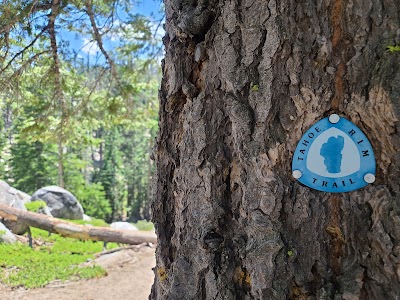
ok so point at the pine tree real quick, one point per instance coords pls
(107, 175)
(33, 165)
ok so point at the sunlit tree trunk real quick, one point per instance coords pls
(242, 81)
(58, 92)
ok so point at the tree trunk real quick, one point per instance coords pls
(242, 81)
(58, 90)
(60, 150)
(72, 230)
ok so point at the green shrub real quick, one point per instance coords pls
(37, 267)
(90, 195)
(94, 222)
(59, 258)
(144, 225)
(93, 199)
(35, 206)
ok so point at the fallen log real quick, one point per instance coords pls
(68, 229)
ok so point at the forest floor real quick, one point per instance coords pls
(129, 276)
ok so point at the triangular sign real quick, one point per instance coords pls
(334, 156)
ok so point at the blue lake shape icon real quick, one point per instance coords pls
(332, 153)
(334, 157)
(349, 154)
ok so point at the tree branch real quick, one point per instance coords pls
(98, 38)
(29, 61)
(23, 50)
(6, 44)
(54, 50)
(39, 7)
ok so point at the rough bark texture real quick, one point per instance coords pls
(243, 80)
(72, 230)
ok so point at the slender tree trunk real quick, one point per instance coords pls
(58, 93)
(133, 217)
(60, 163)
(8, 119)
(242, 81)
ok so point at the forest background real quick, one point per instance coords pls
(78, 100)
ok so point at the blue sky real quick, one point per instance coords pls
(89, 50)
(149, 7)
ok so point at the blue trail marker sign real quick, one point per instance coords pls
(334, 156)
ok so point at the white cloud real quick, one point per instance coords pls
(90, 47)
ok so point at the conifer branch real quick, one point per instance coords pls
(44, 29)
(99, 40)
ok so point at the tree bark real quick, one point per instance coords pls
(58, 91)
(242, 81)
(68, 229)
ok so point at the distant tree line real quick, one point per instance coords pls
(83, 121)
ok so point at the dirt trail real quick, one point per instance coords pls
(130, 277)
